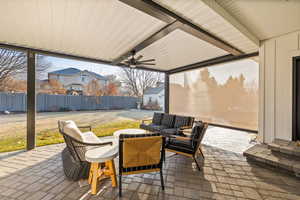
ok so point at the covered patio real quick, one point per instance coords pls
(181, 36)
(226, 174)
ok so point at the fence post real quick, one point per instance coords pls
(31, 100)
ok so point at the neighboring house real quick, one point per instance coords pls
(155, 94)
(73, 79)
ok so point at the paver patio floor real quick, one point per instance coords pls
(38, 174)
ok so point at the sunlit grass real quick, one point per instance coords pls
(52, 136)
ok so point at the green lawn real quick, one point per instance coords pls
(47, 137)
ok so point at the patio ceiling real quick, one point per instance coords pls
(176, 33)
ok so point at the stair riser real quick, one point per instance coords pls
(285, 147)
(274, 159)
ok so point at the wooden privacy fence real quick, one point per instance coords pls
(16, 102)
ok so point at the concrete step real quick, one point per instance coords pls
(262, 154)
(285, 147)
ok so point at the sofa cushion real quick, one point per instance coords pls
(157, 117)
(156, 128)
(169, 131)
(70, 128)
(152, 127)
(180, 145)
(168, 120)
(182, 121)
(145, 126)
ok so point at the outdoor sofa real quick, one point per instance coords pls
(167, 124)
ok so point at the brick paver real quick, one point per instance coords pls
(38, 174)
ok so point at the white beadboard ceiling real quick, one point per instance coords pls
(200, 14)
(106, 29)
(178, 49)
(265, 18)
(102, 29)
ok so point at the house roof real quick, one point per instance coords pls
(72, 71)
(66, 71)
(155, 90)
(97, 75)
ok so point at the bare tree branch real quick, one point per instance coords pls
(137, 81)
(13, 63)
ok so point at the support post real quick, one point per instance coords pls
(167, 94)
(31, 100)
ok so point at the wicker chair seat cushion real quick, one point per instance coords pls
(90, 137)
(70, 128)
(157, 117)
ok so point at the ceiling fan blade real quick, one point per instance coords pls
(150, 60)
(141, 66)
(139, 57)
(146, 63)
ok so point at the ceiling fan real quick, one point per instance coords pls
(137, 62)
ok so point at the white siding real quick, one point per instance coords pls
(68, 80)
(276, 86)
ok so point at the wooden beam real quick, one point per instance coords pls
(232, 20)
(210, 62)
(150, 40)
(150, 10)
(31, 100)
(161, 13)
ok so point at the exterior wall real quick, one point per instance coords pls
(275, 118)
(69, 80)
(160, 97)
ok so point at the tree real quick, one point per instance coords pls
(13, 85)
(93, 88)
(13, 63)
(52, 87)
(111, 89)
(137, 81)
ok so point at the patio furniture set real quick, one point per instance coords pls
(139, 150)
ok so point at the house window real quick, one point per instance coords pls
(83, 77)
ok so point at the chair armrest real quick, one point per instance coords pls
(93, 144)
(98, 144)
(186, 138)
(185, 127)
(88, 126)
(182, 138)
(145, 120)
(189, 132)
